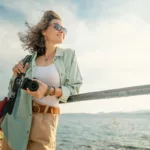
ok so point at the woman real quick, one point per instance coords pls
(33, 122)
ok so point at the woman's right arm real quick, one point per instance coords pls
(18, 68)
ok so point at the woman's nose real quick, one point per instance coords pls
(61, 31)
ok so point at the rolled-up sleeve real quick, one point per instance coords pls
(73, 80)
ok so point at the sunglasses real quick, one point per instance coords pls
(58, 27)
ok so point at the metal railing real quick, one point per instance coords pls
(112, 93)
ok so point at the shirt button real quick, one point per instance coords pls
(30, 114)
(27, 132)
(61, 74)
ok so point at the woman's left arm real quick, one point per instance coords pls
(73, 80)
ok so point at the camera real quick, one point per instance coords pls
(28, 83)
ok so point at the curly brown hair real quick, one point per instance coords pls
(34, 41)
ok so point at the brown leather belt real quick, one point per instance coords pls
(36, 108)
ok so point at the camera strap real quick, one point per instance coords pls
(16, 86)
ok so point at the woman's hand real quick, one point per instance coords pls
(18, 68)
(40, 92)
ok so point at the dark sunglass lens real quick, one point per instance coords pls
(57, 26)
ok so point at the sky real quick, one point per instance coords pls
(110, 37)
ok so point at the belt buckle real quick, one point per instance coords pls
(52, 110)
(38, 108)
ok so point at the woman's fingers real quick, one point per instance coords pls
(16, 69)
(19, 67)
(20, 62)
(26, 67)
(35, 93)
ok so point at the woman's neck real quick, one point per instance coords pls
(50, 49)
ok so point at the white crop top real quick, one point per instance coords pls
(50, 76)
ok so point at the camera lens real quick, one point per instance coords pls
(34, 86)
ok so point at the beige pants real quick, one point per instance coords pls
(43, 132)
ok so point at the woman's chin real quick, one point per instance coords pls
(59, 42)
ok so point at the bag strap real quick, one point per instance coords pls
(27, 59)
(17, 82)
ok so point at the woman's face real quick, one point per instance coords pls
(53, 34)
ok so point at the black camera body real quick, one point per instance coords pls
(28, 83)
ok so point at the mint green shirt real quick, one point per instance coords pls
(16, 127)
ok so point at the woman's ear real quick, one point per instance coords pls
(43, 32)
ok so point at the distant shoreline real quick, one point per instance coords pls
(141, 112)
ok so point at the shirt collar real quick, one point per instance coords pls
(59, 51)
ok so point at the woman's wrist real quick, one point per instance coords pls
(47, 90)
(50, 91)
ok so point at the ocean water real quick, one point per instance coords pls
(114, 131)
